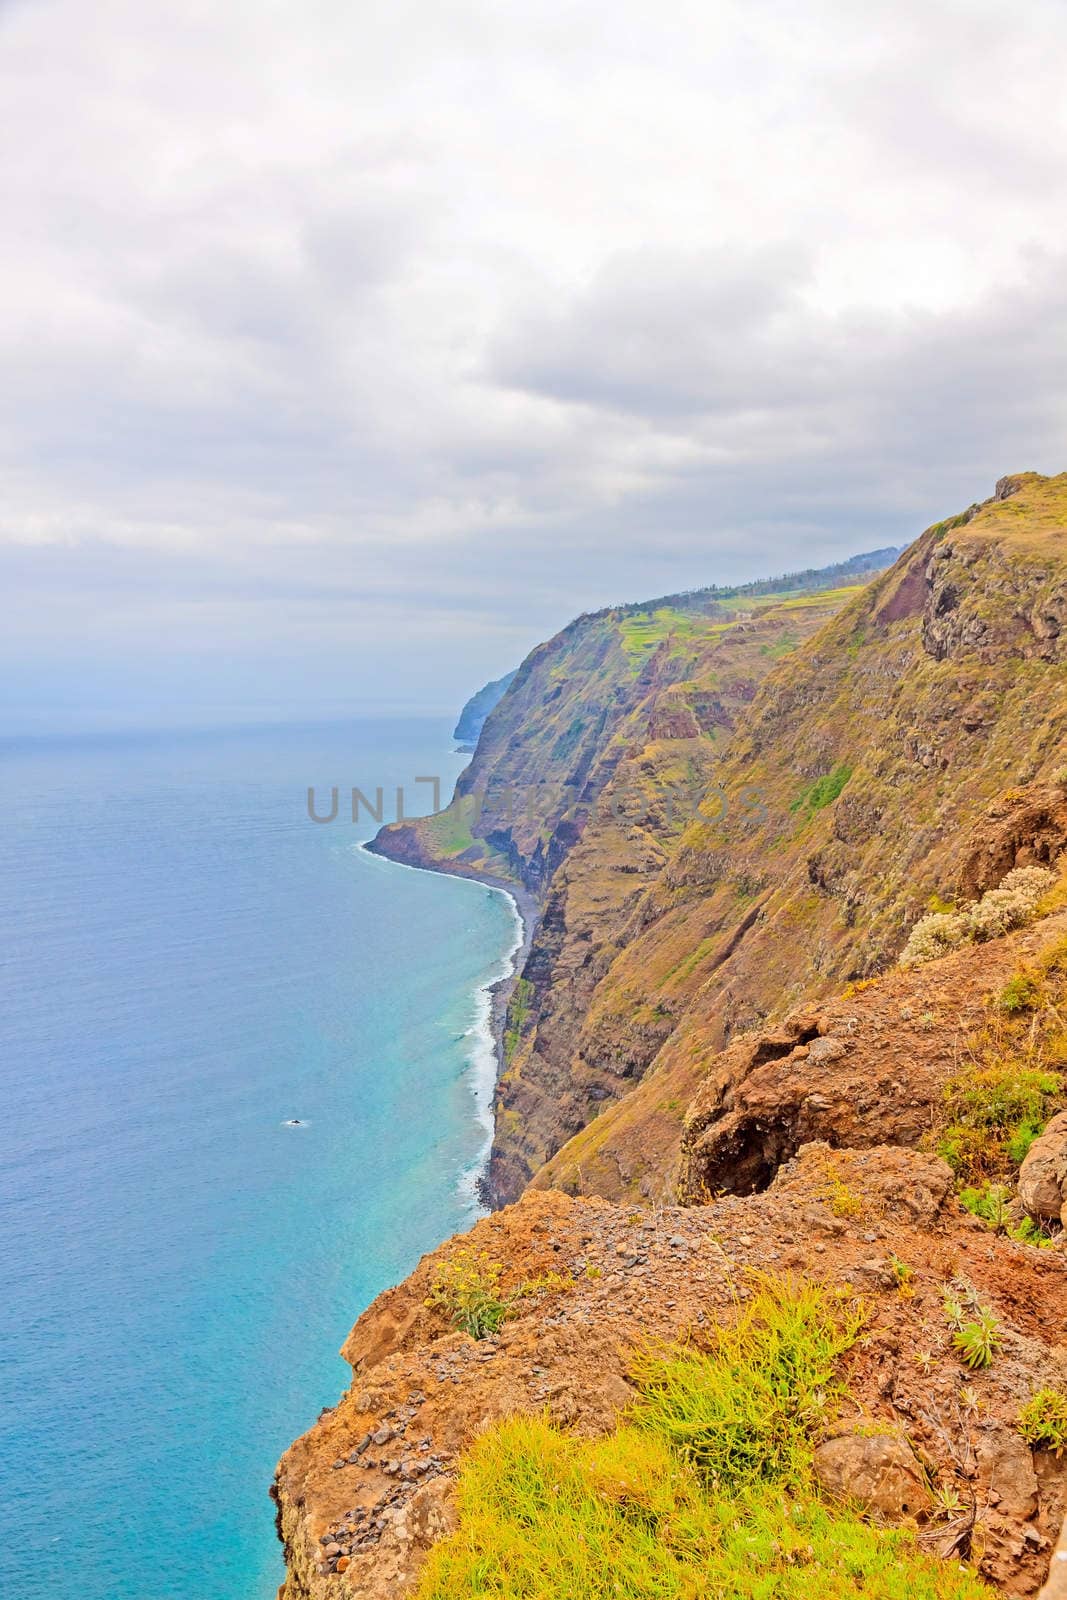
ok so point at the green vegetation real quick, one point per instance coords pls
(1020, 993)
(978, 1341)
(448, 832)
(823, 791)
(467, 1287)
(643, 631)
(707, 1489)
(977, 1331)
(745, 1413)
(1010, 1084)
(518, 1013)
(781, 647)
(1012, 904)
(992, 1202)
(998, 1107)
(902, 1276)
(997, 1110)
(1043, 1421)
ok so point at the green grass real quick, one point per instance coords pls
(448, 831)
(518, 1011)
(645, 630)
(823, 791)
(705, 1491)
(745, 1412)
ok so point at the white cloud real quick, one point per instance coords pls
(448, 320)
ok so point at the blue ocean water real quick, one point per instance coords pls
(187, 962)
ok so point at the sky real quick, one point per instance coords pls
(348, 350)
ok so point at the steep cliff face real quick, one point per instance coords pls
(584, 778)
(891, 754)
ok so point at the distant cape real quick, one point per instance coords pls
(478, 707)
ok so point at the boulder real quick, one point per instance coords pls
(877, 1471)
(1043, 1175)
(1006, 1468)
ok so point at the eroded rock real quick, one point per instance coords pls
(878, 1471)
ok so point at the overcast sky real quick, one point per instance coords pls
(350, 349)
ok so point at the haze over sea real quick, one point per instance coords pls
(187, 962)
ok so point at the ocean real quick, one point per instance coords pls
(188, 964)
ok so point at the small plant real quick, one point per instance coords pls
(1027, 1231)
(990, 1203)
(843, 1202)
(948, 1502)
(467, 1287)
(1043, 1421)
(1021, 992)
(978, 1341)
(902, 1276)
(1059, 777)
(977, 1331)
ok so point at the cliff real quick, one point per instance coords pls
(583, 780)
(472, 718)
(794, 1006)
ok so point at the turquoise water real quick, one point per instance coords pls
(186, 962)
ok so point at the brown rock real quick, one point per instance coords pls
(877, 1470)
(1006, 1467)
(1043, 1175)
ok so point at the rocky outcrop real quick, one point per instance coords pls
(365, 1491)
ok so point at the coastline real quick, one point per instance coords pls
(496, 992)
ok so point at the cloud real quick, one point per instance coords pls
(334, 331)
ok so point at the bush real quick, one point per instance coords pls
(1043, 1421)
(1011, 905)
